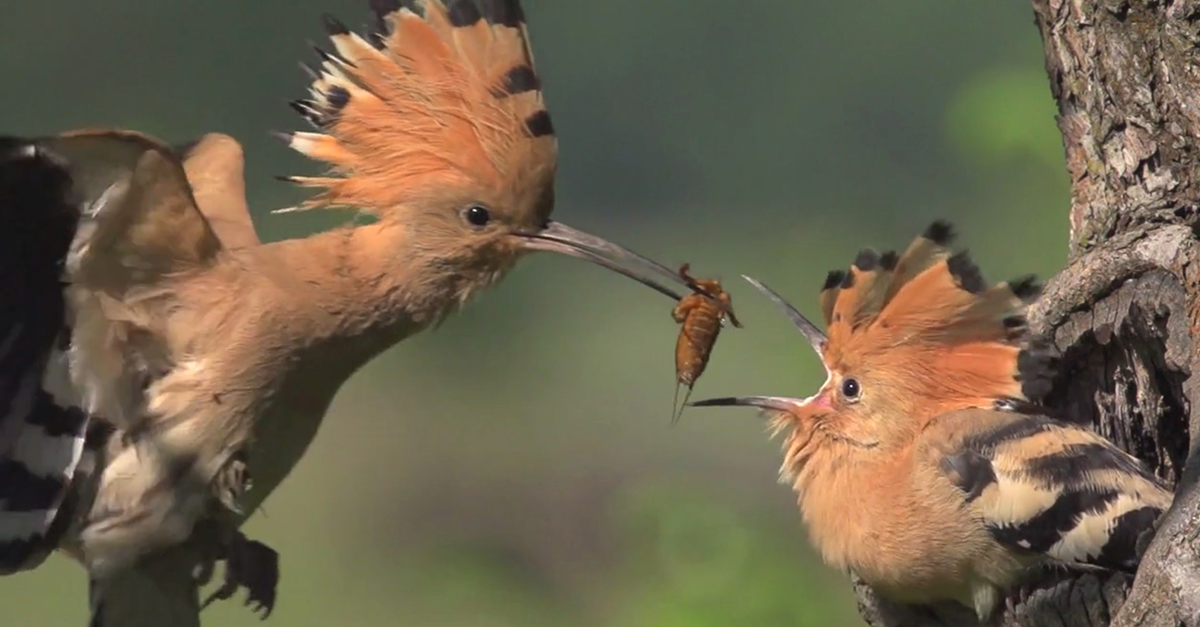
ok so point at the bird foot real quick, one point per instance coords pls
(251, 565)
(232, 483)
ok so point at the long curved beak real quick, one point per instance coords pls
(774, 403)
(557, 237)
(809, 330)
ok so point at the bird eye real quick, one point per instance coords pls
(850, 389)
(478, 215)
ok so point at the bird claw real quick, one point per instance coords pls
(254, 566)
(233, 483)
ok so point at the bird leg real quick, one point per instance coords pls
(251, 565)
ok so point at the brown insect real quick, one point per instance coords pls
(702, 314)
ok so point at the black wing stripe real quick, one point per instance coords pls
(40, 441)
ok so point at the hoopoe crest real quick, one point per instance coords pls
(436, 122)
(921, 334)
(913, 336)
(438, 101)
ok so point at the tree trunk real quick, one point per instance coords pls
(1125, 313)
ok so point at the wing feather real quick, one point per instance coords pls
(96, 220)
(215, 167)
(1055, 489)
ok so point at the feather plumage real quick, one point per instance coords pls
(440, 96)
(215, 168)
(41, 436)
(107, 219)
(1054, 489)
(923, 463)
(119, 223)
(930, 313)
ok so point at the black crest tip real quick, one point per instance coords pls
(1026, 287)
(463, 13)
(330, 57)
(303, 107)
(940, 232)
(518, 80)
(966, 273)
(888, 260)
(1037, 365)
(334, 26)
(308, 110)
(866, 260)
(833, 279)
(337, 98)
(377, 39)
(539, 124)
(1014, 322)
(847, 280)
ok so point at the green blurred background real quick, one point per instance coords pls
(517, 467)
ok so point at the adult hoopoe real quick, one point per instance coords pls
(203, 363)
(921, 464)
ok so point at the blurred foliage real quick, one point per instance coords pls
(516, 467)
(1004, 114)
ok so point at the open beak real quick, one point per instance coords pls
(809, 330)
(773, 403)
(557, 237)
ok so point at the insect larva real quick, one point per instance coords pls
(702, 314)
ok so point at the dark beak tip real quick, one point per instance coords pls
(714, 402)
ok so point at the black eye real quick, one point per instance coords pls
(850, 388)
(478, 216)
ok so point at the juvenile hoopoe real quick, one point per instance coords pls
(922, 464)
(133, 336)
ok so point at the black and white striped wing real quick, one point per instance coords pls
(41, 436)
(81, 214)
(1058, 490)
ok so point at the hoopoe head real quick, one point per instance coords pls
(435, 123)
(910, 336)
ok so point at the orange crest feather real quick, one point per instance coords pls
(441, 96)
(928, 318)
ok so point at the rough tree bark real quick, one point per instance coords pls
(1125, 313)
